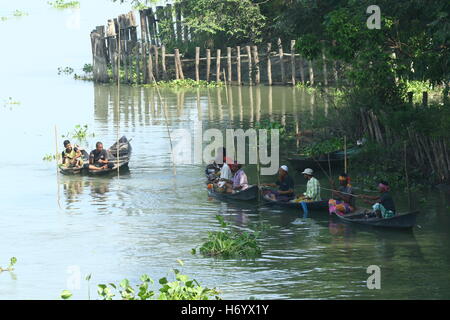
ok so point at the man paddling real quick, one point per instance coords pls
(383, 205)
(285, 186)
(98, 158)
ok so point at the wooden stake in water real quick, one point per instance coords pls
(57, 168)
(118, 108)
(345, 154)
(168, 130)
(406, 177)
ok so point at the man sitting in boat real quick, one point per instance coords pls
(226, 176)
(312, 188)
(71, 157)
(342, 201)
(285, 185)
(213, 169)
(383, 205)
(239, 181)
(98, 158)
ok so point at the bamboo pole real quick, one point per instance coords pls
(208, 63)
(118, 110)
(218, 65)
(150, 65)
(177, 72)
(280, 55)
(249, 56)
(229, 64)
(345, 155)
(302, 70)
(163, 62)
(406, 176)
(180, 66)
(57, 168)
(197, 62)
(168, 131)
(138, 62)
(238, 64)
(293, 62)
(157, 73)
(269, 64)
(125, 62)
(311, 72)
(324, 61)
(256, 60)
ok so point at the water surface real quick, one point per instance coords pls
(141, 222)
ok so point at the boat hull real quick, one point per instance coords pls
(119, 164)
(313, 205)
(249, 194)
(400, 221)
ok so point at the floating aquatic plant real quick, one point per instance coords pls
(181, 288)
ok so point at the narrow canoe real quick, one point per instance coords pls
(400, 221)
(251, 193)
(302, 163)
(120, 163)
(313, 205)
(336, 159)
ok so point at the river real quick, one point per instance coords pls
(62, 228)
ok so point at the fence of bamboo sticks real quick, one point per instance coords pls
(145, 59)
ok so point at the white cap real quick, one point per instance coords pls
(308, 171)
(285, 168)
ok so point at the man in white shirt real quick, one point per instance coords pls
(225, 175)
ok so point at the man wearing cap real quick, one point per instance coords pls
(285, 186)
(312, 187)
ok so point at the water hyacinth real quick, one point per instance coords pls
(228, 243)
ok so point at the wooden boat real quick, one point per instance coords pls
(399, 221)
(251, 193)
(301, 163)
(313, 205)
(119, 163)
(336, 160)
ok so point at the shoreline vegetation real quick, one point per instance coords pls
(63, 4)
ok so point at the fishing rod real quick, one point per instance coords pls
(57, 167)
(350, 194)
(167, 125)
(118, 107)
